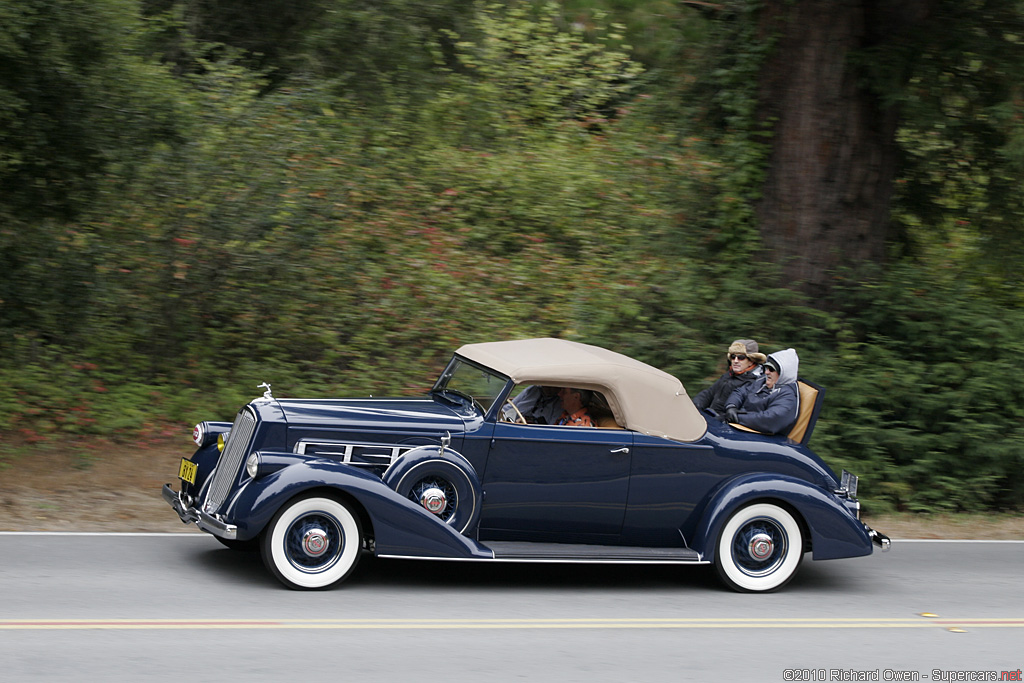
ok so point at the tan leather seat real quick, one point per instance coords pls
(808, 401)
(606, 422)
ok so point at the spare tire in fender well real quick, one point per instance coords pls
(441, 480)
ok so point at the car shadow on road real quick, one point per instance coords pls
(376, 573)
(245, 566)
(237, 566)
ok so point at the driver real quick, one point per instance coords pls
(538, 404)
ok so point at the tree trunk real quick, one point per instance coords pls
(828, 188)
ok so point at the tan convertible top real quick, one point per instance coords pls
(642, 398)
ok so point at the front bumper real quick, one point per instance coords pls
(205, 521)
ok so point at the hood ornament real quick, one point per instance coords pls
(266, 394)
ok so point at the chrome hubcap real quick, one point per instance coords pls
(433, 500)
(314, 542)
(761, 547)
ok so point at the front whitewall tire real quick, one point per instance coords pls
(312, 543)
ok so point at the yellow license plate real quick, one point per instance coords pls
(187, 471)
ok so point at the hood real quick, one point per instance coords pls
(372, 414)
(789, 365)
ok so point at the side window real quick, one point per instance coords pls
(534, 404)
(551, 405)
(601, 412)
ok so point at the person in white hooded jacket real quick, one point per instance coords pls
(771, 404)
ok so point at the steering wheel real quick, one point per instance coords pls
(519, 420)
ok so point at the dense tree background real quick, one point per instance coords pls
(197, 196)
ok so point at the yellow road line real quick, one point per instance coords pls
(453, 624)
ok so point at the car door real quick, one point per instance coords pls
(556, 483)
(669, 481)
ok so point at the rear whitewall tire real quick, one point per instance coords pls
(312, 543)
(759, 549)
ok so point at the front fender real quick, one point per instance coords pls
(833, 530)
(400, 527)
(205, 459)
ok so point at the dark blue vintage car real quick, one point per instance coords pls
(462, 474)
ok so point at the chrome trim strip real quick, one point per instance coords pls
(347, 448)
(545, 561)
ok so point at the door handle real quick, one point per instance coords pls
(621, 450)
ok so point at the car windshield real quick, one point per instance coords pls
(471, 384)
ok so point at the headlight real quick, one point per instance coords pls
(206, 433)
(201, 434)
(221, 440)
(252, 465)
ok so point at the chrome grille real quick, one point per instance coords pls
(231, 459)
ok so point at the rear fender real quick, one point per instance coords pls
(834, 532)
(400, 527)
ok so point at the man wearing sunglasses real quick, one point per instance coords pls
(745, 362)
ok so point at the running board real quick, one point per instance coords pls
(508, 551)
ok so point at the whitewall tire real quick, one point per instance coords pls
(312, 543)
(759, 548)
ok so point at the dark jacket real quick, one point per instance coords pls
(716, 396)
(771, 412)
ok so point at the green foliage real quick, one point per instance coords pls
(378, 50)
(712, 100)
(268, 33)
(293, 229)
(525, 77)
(54, 395)
(926, 401)
(649, 28)
(957, 84)
(76, 98)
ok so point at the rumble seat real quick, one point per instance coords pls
(811, 396)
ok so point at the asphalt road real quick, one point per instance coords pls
(182, 608)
